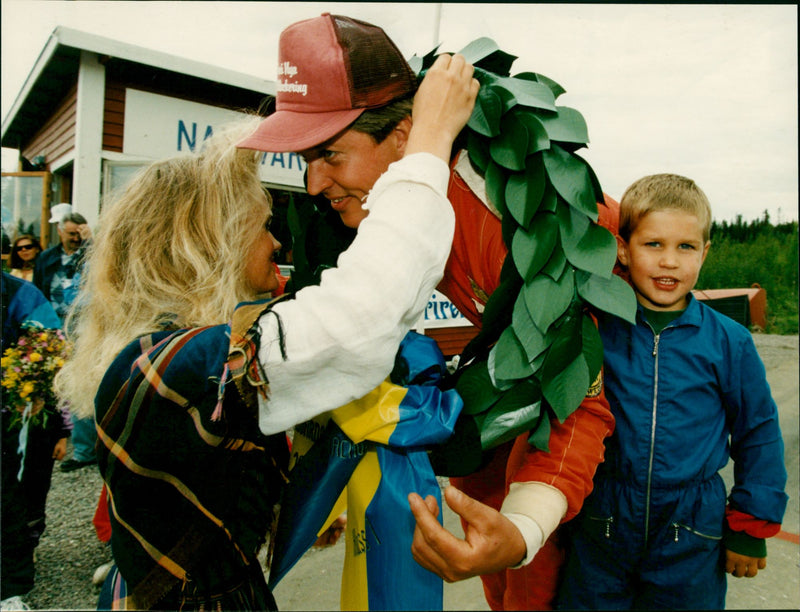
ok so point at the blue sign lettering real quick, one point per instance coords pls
(441, 309)
(190, 141)
(284, 160)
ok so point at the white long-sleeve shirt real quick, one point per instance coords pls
(341, 336)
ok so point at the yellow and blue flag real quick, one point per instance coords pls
(376, 449)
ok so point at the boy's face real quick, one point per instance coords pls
(345, 168)
(664, 256)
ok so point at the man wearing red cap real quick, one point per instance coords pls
(344, 102)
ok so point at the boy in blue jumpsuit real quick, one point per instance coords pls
(688, 392)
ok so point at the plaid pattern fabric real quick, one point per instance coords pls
(192, 483)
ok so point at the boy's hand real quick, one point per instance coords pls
(742, 565)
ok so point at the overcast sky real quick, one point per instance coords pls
(706, 91)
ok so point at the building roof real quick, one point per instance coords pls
(56, 69)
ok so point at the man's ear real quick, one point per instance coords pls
(401, 132)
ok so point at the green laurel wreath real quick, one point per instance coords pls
(545, 349)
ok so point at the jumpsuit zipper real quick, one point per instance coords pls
(656, 339)
(679, 526)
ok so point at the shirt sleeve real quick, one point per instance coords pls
(549, 488)
(340, 337)
(757, 447)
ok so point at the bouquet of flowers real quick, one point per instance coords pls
(28, 371)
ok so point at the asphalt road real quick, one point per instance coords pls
(314, 583)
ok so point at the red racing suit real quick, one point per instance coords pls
(471, 275)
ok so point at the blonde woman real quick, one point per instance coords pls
(190, 415)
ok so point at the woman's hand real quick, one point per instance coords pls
(442, 106)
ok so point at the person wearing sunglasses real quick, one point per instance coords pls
(24, 251)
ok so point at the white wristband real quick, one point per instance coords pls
(531, 533)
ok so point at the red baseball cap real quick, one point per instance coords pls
(330, 70)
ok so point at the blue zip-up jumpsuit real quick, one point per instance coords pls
(685, 401)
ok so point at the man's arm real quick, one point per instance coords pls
(546, 489)
(340, 337)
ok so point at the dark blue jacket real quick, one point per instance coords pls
(687, 400)
(22, 302)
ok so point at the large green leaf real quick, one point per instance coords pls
(566, 389)
(592, 346)
(568, 125)
(611, 294)
(588, 246)
(518, 410)
(533, 76)
(529, 93)
(537, 135)
(540, 436)
(485, 54)
(549, 199)
(524, 191)
(547, 299)
(510, 361)
(599, 196)
(554, 267)
(510, 147)
(496, 187)
(560, 373)
(569, 176)
(532, 249)
(478, 149)
(497, 313)
(476, 388)
(419, 64)
(533, 341)
(485, 118)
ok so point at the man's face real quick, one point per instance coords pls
(345, 168)
(70, 236)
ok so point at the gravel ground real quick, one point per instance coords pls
(69, 550)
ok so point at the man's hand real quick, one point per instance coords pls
(492, 541)
(442, 106)
(60, 449)
(742, 565)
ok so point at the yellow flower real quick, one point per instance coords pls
(5, 362)
(27, 389)
(34, 357)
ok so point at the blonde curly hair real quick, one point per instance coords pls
(170, 252)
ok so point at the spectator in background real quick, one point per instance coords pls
(24, 251)
(22, 303)
(57, 270)
(57, 274)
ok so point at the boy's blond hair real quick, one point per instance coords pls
(663, 192)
